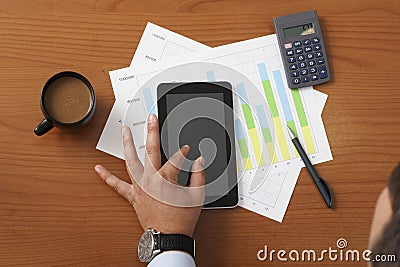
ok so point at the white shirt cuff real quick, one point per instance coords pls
(172, 259)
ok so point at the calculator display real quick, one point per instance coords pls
(304, 29)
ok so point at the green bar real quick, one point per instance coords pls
(270, 98)
(248, 116)
(267, 135)
(292, 127)
(243, 148)
(299, 107)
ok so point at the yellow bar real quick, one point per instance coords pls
(255, 142)
(281, 139)
(308, 139)
(247, 164)
(273, 157)
(295, 151)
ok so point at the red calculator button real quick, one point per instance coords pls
(288, 46)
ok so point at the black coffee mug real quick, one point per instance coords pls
(67, 101)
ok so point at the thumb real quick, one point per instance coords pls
(198, 177)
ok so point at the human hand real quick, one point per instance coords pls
(154, 187)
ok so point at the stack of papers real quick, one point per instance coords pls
(278, 166)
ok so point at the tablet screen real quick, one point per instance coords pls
(200, 114)
(203, 129)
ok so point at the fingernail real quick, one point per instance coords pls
(151, 118)
(97, 168)
(202, 161)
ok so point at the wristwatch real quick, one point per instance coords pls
(153, 243)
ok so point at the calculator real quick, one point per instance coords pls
(302, 49)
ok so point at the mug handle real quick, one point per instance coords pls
(43, 127)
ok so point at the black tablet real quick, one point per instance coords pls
(200, 114)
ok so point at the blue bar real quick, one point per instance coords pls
(239, 130)
(262, 118)
(210, 76)
(263, 71)
(148, 99)
(242, 93)
(282, 95)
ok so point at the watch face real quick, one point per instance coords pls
(145, 248)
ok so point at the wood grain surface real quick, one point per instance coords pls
(55, 211)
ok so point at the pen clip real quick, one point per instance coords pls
(328, 189)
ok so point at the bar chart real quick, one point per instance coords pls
(257, 144)
(243, 148)
(290, 112)
(266, 84)
(251, 127)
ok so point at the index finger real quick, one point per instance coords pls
(172, 167)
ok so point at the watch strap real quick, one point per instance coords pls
(177, 242)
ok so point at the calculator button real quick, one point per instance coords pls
(305, 79)
(307, 49)
(314, 77)
(312, 70)
(311, 63)
(302, 65)
(293, 66)
(318, 54)
(310, 56)
(296, 81)
(323, 73)
(317, 47)
(320, 61)
(288, 45)
(291, 59)
(303, 72)
(289, 53)
(300, 58)
(297, 44)
(294, 74)
(315, 40)
(299, 50)
(306, 42)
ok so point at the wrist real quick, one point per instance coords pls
(152, 243)
(174, 231)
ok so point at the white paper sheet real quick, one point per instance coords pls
(126, 81)
(157, 44)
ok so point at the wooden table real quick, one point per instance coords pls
(55, 211)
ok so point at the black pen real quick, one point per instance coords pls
(322, 186)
